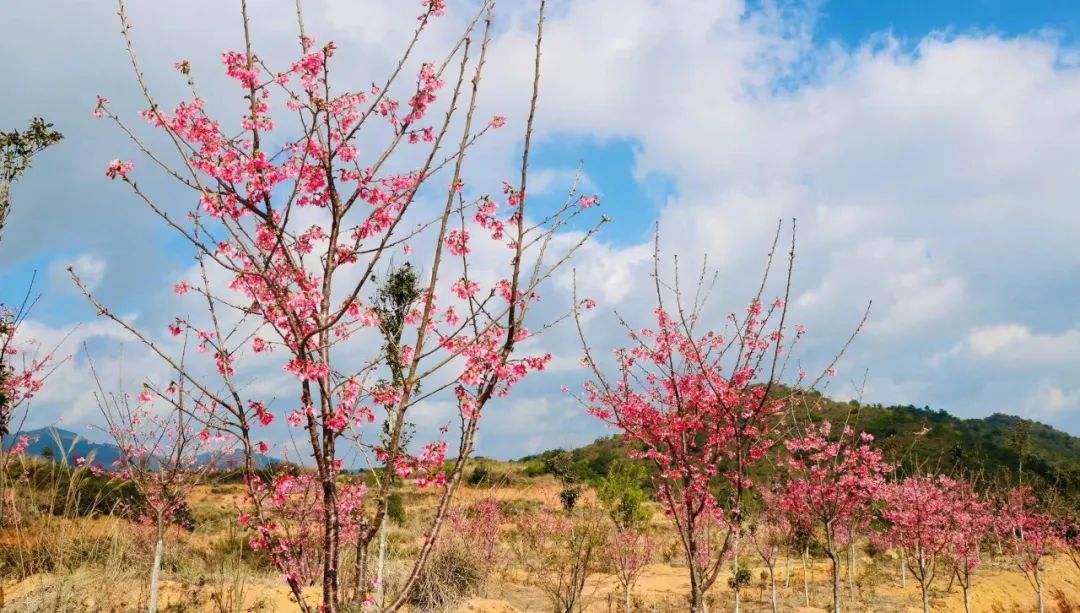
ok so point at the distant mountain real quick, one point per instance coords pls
(236, 459)
(63, 444)
(911, 437)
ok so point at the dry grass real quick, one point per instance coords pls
(57, 557)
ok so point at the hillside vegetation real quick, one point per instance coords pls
(981, 449)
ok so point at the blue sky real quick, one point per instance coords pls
(927, 149)
(852, 21)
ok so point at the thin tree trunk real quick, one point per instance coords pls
(772, 588)
(923, 583)
(4, 205)
(380, 589)
(626, 589)
(851, 570)
(331, 546)
(903, 571)
(155, 573)
(967, 602)
(738, 586)
(835, 557)
(787, 569)
(360, 579)
(1038, 589)
(806, 576)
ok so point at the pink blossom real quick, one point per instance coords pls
(458, 242)
(118, 168)
(586, 202)
(464, 288)
(99, 109)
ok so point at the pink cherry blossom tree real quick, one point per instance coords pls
(631, 551)
(24, 363)
(164, 452)
(770, 533)
(1030, 535)
(558, 549)
(479, 528)
(973, 522)
(291, 230)
(919, 516)
(24, 366)
(700, 407)
(829, 480)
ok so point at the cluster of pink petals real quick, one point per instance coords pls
(118, 168)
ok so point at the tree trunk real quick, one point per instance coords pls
(1038, 589)
(360, 578)
(738, 586)
(155, 572)
(4, 203)
(851, 570)
(772, 589)
(903, 571)
(697, 600)
(787, 569)
(806, 576)
(967, 602)
(926, 596)
(331, 546)
(626, 589)
(835, 557)
(697, 592)
(380, 590)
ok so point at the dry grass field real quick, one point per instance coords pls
(99, 563)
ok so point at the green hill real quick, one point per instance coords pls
(911, 437)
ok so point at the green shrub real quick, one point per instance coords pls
(395, 509)
(622, 495)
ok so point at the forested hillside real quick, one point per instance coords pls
(988, 450)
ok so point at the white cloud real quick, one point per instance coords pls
(89, 267)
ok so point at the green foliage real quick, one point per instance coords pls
(589, 464)
(18, 148)
(395, 508)
(985, 451)
(569, 497)
(80, 493)
(485, 474)
(393, 301)
(622, 495)
(740, 577)
(479, 475)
